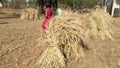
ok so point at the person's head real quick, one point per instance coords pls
(46, 5)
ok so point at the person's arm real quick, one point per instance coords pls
(46, 13)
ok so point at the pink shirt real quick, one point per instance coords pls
(49, 13)
(46, 20)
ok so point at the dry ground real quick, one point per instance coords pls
(18, 45)
(104, 54)
(18, 41)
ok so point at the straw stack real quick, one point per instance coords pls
(29, 13)
(102, 22)
(66, 34)
(52, 57)
(66, 30)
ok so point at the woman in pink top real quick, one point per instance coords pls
(48, 16)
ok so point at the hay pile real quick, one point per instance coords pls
(100, 24)
(47, 60)
(29, 13)
(67, 33)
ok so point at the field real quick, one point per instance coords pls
(19, 44)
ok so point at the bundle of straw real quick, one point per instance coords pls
(29, 13)
(101, 23)
(66, 34)
(52, 58)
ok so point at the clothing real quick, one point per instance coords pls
(59, 11)
(46, 20)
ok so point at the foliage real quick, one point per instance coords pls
(79, 3)
(35, 2)
(74, 4)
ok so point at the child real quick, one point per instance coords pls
(48, 16)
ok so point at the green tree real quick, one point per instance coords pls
(77, 4)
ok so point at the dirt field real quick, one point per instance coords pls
(103, 54)
(19, 49)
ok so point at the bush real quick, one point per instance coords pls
(77, 4)
(36, 2)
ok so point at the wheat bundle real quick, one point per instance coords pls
(29, 13)
(97, 24)
(68, 31)
(102, 24)
(52, 58)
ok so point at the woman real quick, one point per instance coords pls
(48, 16)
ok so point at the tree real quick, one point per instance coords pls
(77, 4)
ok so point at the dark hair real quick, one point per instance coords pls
(47, 5)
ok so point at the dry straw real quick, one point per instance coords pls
(102, 24)
(66, 31)
(66, 35)
(29, 13)
(52, 58)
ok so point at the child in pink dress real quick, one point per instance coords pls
(48, 16)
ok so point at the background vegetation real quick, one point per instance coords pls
(74, 4)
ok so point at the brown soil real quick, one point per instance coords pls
(103, 54)
(19, 49)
